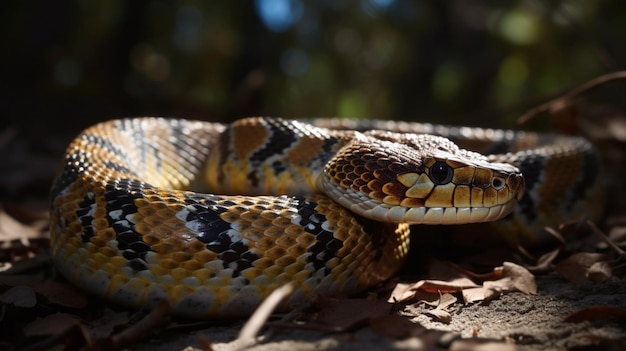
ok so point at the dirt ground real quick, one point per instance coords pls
(516, 321)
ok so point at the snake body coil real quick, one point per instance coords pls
(214, 217)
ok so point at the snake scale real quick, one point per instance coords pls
(214, 217)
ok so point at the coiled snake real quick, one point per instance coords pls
(140, 211)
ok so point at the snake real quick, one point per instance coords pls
(213, 217)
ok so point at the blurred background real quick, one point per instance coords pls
(70, 63)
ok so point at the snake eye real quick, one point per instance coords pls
(440, 173)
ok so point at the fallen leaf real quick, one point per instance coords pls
(11, 229)
(475, 344)
(521, 279)
(440, 312)
(600, 271)
(347, 314)
(410, 292)
(110, 321)
(596, 312)
(440, 315)
(51, 325)
(479, 294)
(493, 274)
(394, 326)
(576, 267)
(62, 294)
(404, 293)
(20, 296)
(545, 262)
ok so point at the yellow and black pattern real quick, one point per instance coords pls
(214, 217)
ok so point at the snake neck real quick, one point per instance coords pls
(271, 156)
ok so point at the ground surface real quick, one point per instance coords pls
(531, 322)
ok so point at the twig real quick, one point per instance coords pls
(594, 83)
(153, 321)
(604, 238)
(262, 313)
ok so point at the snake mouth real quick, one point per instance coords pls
(427, 215)
(377, 210)
(440, 215)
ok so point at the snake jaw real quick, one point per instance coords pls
(411, 183)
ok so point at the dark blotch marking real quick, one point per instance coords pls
(121, 195)
(281, 136)
(84, 207)
(213, 231)
(326, 245)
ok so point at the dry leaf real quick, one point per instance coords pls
(402, 292)
(62, 294)
(521, 279)
(595, 313)
(479, 294)
(576, 267)
(10, 229)
(20, 296)
(475, 344)
(394, 326)
(51, 325)
(440, 315)
(104, 326)
(440, 312)
(411, 292)
(600, 271)
(347, 314)
(515, 278)
(454, 285)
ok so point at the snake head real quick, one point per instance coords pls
(411, 178)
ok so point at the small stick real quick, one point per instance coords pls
(596, 82)
(262, 313)
(602, 236)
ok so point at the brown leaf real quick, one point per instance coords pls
(412, 292)
(348, 314)
(104, 326)
(515, 278)
(394, 326)
(596, 312)
(51, 325)
(20, 296)
(475, 344)
(10, 229)
(600, 271)
(440, 312)
(156, 320)
(479, 294)
(62, 294)
(441, 286)
(494, 274)
(440, 315)
(521, 279)
(404, 293)
(576, 267)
